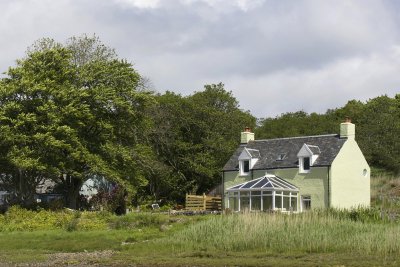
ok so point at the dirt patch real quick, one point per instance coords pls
(74, 259)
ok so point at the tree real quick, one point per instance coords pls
(67, 116)
(194, 137)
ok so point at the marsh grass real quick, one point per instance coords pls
(311, 232)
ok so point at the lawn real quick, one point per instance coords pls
(320, 238)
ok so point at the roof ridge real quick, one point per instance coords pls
(295, 137)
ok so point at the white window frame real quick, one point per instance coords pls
(301, 165)
(241, 167)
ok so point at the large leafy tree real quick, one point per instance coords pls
(194, 137)
(71, 111)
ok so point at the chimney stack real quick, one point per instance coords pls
(347, 129)
(246, 136)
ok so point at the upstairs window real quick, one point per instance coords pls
(306, 163)
(246, 166)
(247, 159)
(307, 156)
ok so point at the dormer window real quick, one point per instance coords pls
(245, 167)
(247, 160)
(281, 157)
(307, 155)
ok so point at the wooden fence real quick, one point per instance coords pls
(204, 202)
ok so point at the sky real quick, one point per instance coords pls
(276, 56)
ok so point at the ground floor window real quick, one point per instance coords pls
(306, 202)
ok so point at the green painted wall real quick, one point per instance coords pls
(350, 184)
(314, 183)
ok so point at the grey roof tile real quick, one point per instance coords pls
(328, 146)
(314, 149)
(254, 153)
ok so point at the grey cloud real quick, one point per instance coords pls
(276, 56)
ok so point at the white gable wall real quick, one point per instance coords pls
(350, 178)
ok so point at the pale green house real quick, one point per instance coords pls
(297, 173)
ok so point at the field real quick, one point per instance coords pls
(362, 237)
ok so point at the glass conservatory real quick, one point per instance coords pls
(267, 193)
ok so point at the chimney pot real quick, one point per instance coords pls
(246, 136)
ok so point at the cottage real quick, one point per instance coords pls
(297, 173)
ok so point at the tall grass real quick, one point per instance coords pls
(323, 231)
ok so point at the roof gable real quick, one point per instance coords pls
(325, 146)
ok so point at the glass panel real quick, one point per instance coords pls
(237, 187)
(244, 203)
(293, 201)
(262, 183)
(286, 201)
(256, 203)
(285, 193)
(269, 193)
(233, 203)
(244, 193)
(255, 193)
(278, 202)
(267, 203)
(278, 193)
(306, 163)
(246, 166)
(251, 183)
(268, 185)
(306, 202)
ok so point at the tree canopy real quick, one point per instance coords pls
(66, 119)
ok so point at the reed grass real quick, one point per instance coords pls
(311, 232)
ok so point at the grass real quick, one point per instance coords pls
(317, 238)
(363, 237)
(317, 232)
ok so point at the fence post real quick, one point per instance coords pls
(204, 201)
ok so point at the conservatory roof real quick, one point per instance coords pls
(267, 182)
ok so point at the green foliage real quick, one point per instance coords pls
(19, 219)
(71, 109)
(193, 138)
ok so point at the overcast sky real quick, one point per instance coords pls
(275, 56)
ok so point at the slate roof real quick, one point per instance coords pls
(254, 153)
(314, 149)
(328, 145)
